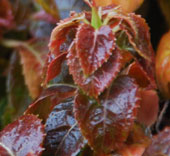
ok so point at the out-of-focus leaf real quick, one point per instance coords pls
(18, 96)
(6, 16)
(50, 7)
(149, 107)
(22, 10)
(32, 60)
(65, 6)
(63, 135)
(126, 5)
(94, 84)
(160, 145)
(94, 47)
(50, 97)
(23, 136)
(106, 123)
(163, 65)
(165, 6)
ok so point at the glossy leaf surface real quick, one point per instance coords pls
(19, 136)
(106, 124)
(54, 68)
(94, 84)
(94, 47)
(50, 97)
(63, 135)
(163, 65)
(160, 145)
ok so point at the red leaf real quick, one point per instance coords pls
(160, 145)
(4, 151)
(141, 77)
(64, 33)
(94, 84)
(142, 45)
(63, 135)
(106, 123)
(94, 47)
(149, 107)
(24, 136)
(54, 67)
(48, 99)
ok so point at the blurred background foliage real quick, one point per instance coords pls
(25, 27)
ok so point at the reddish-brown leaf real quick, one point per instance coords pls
(48, 99)
(94, 84)
(54, 67)
(63, 135)
(6, 16)
(94, 47)
(142, 45)
(106, 123)
(4, 151)
(149, 107)
(136, 71)
(32, 60)
(160, 145)
(24, 136)
(64, 33)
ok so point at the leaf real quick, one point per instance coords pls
(63, 135)
(49, 97)
(94, 84)
(160, 145)
(163, 66)
(136, 71)
(18, 96)
(96, 21)
(6, 16)
(149, 107)
(127, 6)
(94, 47)
(63, 34)
(4, 151)
(106, 123)
(19, 136)
(142, 45)
(54, 67)
(50, 7)
(32, 59)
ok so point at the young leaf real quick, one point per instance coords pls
(50, 97)
(63, 135)
(106, 123)
(95, 21)
(160, 145)
(19, 136)
(94, 84)
(94, 47)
